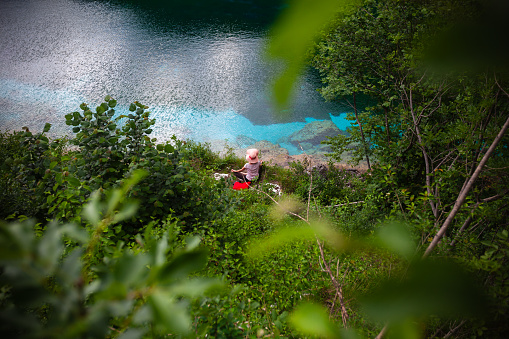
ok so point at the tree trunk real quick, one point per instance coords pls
(464, 192)
(387, 132)
(362, 132)
(427, 164)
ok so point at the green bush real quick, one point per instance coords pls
(328, 183)
(201, 157)
(111, 148)
(27, 161)
(14, 197)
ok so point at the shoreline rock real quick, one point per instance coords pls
(276, 155)
(312, 134)
(308, 139)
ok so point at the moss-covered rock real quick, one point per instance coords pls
(313, 133)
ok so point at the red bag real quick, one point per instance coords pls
(241, 185)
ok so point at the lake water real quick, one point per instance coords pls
(198, 65)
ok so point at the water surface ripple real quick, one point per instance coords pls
(203, 80)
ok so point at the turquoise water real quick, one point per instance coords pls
(198, 65)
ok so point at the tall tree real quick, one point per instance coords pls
(432, 127)
(436, 119)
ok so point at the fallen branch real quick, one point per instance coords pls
(464, 192)
(337, 285)
(451, 332)
(346, 203)
(469, 219)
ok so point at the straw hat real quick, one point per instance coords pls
(252, 155)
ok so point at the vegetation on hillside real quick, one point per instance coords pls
(109, 234)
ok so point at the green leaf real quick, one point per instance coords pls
(70, 270)
(159, 251)
(50, 199)
(77, 234)
(397, 238)
(169, 148)
(167, 314)
(92, 210)
(131, 269)
(114, 199)
(407, 329)
(313, 319)
(294, 33)
(73, 181)
(440, 288)
(192, 242)
(47, 127)
(183, 265)
(277, 239)
(135, 177)
(178, 176)
(133, 333)
(127, 211)
(50, 248)
(16, 240)
(196, 287)
(76, 116)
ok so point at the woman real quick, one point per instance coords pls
(252, 167)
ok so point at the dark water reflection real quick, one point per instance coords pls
(197, 65)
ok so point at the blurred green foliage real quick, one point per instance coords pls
(293, 35)
(47, 290)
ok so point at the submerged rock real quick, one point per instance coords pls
(319, 149)
(268, 148)
(243, 141)
(313, 134)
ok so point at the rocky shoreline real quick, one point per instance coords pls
(276, 155)
(308, 140)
